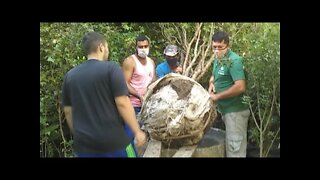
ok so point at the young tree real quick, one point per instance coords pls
(194, 39)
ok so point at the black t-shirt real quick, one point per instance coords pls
(90, 88)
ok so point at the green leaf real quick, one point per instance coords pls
(50, 59)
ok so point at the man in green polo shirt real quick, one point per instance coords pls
(227, 86)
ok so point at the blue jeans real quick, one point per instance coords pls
(137, 110)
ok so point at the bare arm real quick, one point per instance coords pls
(154, 72)
(126, 111)
(68, 113)
(211, 88)
(178, 70)
(127, 68)
(235, 90)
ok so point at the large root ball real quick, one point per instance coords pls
(177, 110)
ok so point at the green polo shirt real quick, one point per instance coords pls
(225, 73)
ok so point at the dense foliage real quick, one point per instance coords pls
(258, 43)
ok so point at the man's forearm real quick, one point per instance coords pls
(235, 90)
(127, 112)
(68, 114)
(211, 80)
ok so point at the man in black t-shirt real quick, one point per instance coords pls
(96, 104)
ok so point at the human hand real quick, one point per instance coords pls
(178, 69)
(140, 138)
(141, 98)
(214, 97)
(211, 88)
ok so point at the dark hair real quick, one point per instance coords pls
(91, 41)
(141, 38)
(220, 36)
